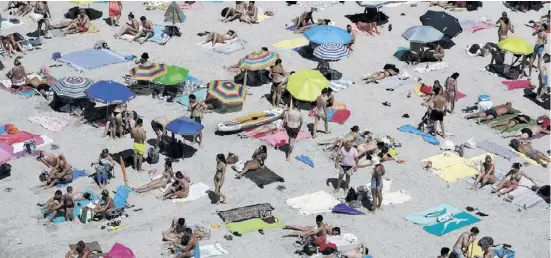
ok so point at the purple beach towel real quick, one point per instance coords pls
(345, 209)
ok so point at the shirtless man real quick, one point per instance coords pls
(54, 206)
(176, 230)
(197, 109)
(61, 172)
(236, 13)
(321, 112)
(187, 246)
(528, 132)
(486, 244)
(352, 34)
(80, 24)
(504, 27)
(48, 159)
(367, 149)
(539, 47)
(131, 27)
(377, 185)
(69, 204)
(159, 127)
(80, 251)
(146, 32)
(106, 205)
(492, 113)
(463, 242)
(319, 235)
(292, 122)
(219, 38)
(179, 189)
(437, 105)
(42, 8)
(139, 136)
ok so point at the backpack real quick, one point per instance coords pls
(351, 195)
(152, 156)
(5, 171)
(474, 48)
(172, 30)
(512, 74)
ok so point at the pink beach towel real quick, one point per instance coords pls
(459, 96)
(6, 152)
(196, 5)
(120, 251)
(518, 84)
(280, 138)
(480, 26)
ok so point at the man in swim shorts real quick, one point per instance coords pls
(463, 242)
(292, 122)
(197, 109)
(437, 105)
(377, 185)
(494, 112)
(139, 136)
(541, 41)
(531, 131)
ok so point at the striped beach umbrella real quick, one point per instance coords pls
(227, 92)
(147, 72)
(258, 60)
(331, 52)
(72, 87)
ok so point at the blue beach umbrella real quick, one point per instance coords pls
(109, 92)
(331, 51)
(323, 34)
(422, 34)
(184, 126)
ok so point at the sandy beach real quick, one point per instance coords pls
(386, 233)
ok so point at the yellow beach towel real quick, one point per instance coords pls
(474, 250)
(92, 29)
(450, 166)
(291, 43)
(444, 160)
(531, 161)
(417, 89)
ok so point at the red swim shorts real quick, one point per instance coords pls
(82, 28)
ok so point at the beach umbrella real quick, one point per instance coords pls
(422, 34)
(184, 126)
(443, 22)
(258, 60)
(173, 75)
(227, 92)
(306, 84)
(373, 4)
(516, 45)
(323, 34)
(331, 51)
(174, 14)
(72, 87)
(147, 72)
(109, 92)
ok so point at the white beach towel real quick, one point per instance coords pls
(196, 191)
(210, 46)
(54, 124)
(343, 241)
(17, 147)
(523, 196)
(7, 24)
(425, 68)
(314, 203)
(337, 85)
(212, 250)
(389, 197)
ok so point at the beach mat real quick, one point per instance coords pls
(252, 225)
(211, 250)
(90, 59)
(50, 123)
(499, 150)
(77, 173)
(291, 43)
(458, 221)
(342, 208)
(196, 191)
(26, 92)
(338, 116)
(263, 176)
(159, 35)
(280, 138)
(121, 196)
(479, 26)
(450, 166)
(473, 250)
(18, 137)
(518, 84)
(426, 137)
(246, 213)
(429, 216)
(314, 203)
(229, 48)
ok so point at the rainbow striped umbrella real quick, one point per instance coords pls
(147, 72)
(258, 60)
(227, 92)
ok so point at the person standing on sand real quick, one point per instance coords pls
(292, 122)
(42, 8)
(377, 185)
(219, 177)
(451, 90)
(69, 204)
(504, 27)
(353, 35)
(347, 163)
(197, 109)
(320, 112)
(437, 105)
(115, 10)
(139, 136)
(463, 242)
(543, 79)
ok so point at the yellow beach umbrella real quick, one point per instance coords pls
(306, 84)
(516, 45)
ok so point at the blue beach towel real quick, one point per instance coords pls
(77, 173)
(427, 137)
(499, 252)
(400, 51)
(90, 59)
(458, 221)
(78, 209)
(345, 209)
(305, 159)
(428, 216)
(158, 31)
(27, 94)
(201, 95)
(121, 196)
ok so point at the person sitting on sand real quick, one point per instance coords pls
(493, 112)
(81, 251)
(464, 241)
(352, 35)
(55, 206)
(526, 148)
(303, 20)
(187, 245)
(263, 129)
(259, 156)
(528, 132)
(517, 120)
(353, 136)
(309, 26)
(251, 14)
(178, 189)
(17, 75)
(388, 70)
(304, 231)
(236, 13)
(318, 235)
(435, 52)
(60, 173)
(218, 38)
(7, 46)
(105, 206)
(146, 32)
(131, 27)
(80, 24)
(48, 159)
(167, 177)
(176, 230)
(511, 180)
(487, 174)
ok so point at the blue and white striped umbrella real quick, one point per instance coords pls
(72, 87)
(331, 51)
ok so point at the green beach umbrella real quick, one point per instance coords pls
(174, 75)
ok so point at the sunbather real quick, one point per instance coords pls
(519, 119)
(168, 176)
(131, 27)
(303, 20)
(353, 136)
(267, 128)
(69, 204)
(55, 206)
(236, 13)
(434, 53)
(105, 206)
(60, 173)
(178, 189)
(527, 149)
(511, 180)
(176, 230)
(218, 38)
(388, 70)
(465, 239)
(487, 245)
(358, 252)
(487, 174)
(80, 24)
(529, 132)
(80, 251)
(309, 26)
(146, 32)
(259, 156)
(219, 177)
(187, 245)
(494, 112)
(17, 75)
(303, 231)
(48, 159)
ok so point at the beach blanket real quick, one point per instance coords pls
(507, 118)
(252, 225)
(499, 150)
(246, 213)
(394, 82)
(51, 123)
(196, 191)
(474, 250)
(518, 84)
(429, 216)
(314, 203)
(18, 137)
(426, 137)
(337, 85)
(77, 173)
(400, 51)
(280, 138)
(121, 196)
(291, 43)
(450, 166)
(499, 252)
(263, 176)
(458, 221)
(229, 48)
(201, 95)
(159, 35)
(40, 141)
(390, 198)
(523, 196)
(343, 241)
(78, 208)
(210, 46)
(89, 59)
(342, 208)
(479, 26)
(429, 67)
(212, 250)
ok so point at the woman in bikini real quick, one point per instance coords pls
(17, 75)
(236, 13)
(353, 136)
(388, 70)
(309, 26)
(278, 76)
(219, 177)
(527, 149)
(451, 90)
(268, 128)
(61, 173)
(487, 173)
(259, 156)
(168, 176)
(303, 20)
(511, 180)
(517, 120)
(218, 38)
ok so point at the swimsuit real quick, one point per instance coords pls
(538, 49)
(491, 112)
(114, 9)
(376, 184)
(519, 119)
(527, 131)
(139, 148)
(458, 252)
(196, 118)
(292, 132)
(436, 115)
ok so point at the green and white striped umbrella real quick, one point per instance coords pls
(72, 87)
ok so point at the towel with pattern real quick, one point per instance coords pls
(425, 68)
(51, 123)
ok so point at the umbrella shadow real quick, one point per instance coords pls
(108, 21)
(531, 95)
(174, 149)
(36, 33)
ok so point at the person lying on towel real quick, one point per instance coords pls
(494, 112)
(80, 251)
(388, 71)
(527, 149)
(167, 177)
(267, 128)
(218, 38)
(309, 26)
(529, 132)
(359, 252)
(259, 156)
(519, 119)
(303, 231)
(80, 24)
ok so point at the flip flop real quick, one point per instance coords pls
(386, 104)
(236, 234)
(481, 214)
(261, 231)
(8, 189)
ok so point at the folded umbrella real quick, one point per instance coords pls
(185, 126)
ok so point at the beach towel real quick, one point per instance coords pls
(77, 173)
(121, 196)
(91, 29)
(58, 33)
(458, 221)
(245, 213)
(314, 203)
(338, 116)
(518, 84)
(6, 24)
(394, 82)
(523, 196)
(212, 250)
(305, 159)
(502, 117)
(507, 117)
(40, 141)
(342, 208)
(252, 225)
(337, 85)
(120, 251)
(78, 208)
(280, 138)
(400, 51)
(291, 43)
(51, 123)
(201, 95)
(390, 198)
(3, 129)
(474, 250)
(479, 26)
(263, 176)
(229, 48)
(524, 156)
(18, 137)
(196, 191)
(429, 216)
(429, 67)
(90, 59)
(159, 35)
(426, 137)
(499, 150)
(450, 166)
(210, 46)
(343, 241)
(26, 92)
(500, 251)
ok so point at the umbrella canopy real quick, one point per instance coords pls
(184, 126)
(147, 72)
(174, 14)
(120, 251)
(174, 75)
(72, 87)
(85, 2)
(443, 22)
(373, 4)
(331, 51)
(516, 45)
(323, 34)
(258, 60)
(306, 84)
(422, 34)
(109, 92)
(227, 92)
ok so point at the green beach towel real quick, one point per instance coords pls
(251, 225)
(458, 221)
(507, 118)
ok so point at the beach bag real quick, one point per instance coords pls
(512, 74)
(351, 195)
(86, 215)
(29, 146)
(152, 156)
(5, 171)
(172, 30)
(474, 48)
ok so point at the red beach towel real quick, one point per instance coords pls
(518, 84)
(340, 116)
(20, 136)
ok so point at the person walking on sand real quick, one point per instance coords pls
(463, 242)
(292, 122)
(451, 91)
(437, 105)
(353, 35)
(139, 136)
(115, 10)
(320, 112)
(347, 163)
(504, 27)
(539, 47)
(377, 185)
(197, 109)
(219, 177)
